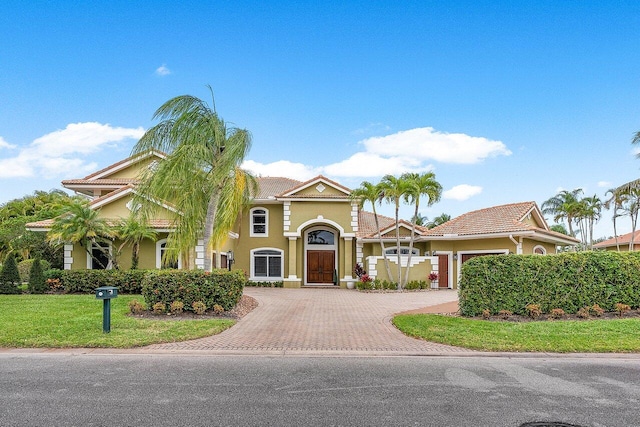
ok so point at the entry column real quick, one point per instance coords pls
(292, 280)
(348, 260)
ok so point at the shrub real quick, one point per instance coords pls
(265, 284)
(486, 314)
(621, 309)
(199, 307)
(55, 285)
(533, 310)
(159, 308)
(596, 310)
(24, 267)
(136, 307)
(557, 313)
(568, 281)
(505, 314)
(584, 313)
(217, 309)
(9, 276)
(176, 307)
(37, 281)
(221, 287)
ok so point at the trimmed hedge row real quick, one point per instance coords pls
(86, 281)
(568, 281)
(220, 287)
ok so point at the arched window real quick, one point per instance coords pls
(259, 222)
(267, 264)
(539, 250)
(161, 247)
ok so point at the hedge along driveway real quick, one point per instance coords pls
(568, 281)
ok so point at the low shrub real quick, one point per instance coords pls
(136, 307)
(37, 280)
(159, 308)
(376, 285)
(86, 281)
(486, 314)
(176, 307)
(265, 284)
(217, 309)
(199, 307)
(596, 310)
(584, 313)
(533, 310)
(557, 313)
(417, 284)
(621, 309)
(505, 314)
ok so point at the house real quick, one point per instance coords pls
(312, 233)
(622, 243)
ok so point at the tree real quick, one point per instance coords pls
(564, 206)
(9, 276)
(559, 228)
(37, 281)
(439, 220)
(132, 232)
(590, 211)
(367, 192)
(200, 175)
(614, 201)
(420, 220)
(418, 185)
(83, 225)
(393, 190)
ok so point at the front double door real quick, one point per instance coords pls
(320, 267)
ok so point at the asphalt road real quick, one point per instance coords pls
(180, 390)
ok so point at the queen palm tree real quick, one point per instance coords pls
(564, 206)
(200, 174)
(615, 201)
(368, 192)
(419, 185)
(81, 224)
(132, 232)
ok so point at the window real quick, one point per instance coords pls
(161, 248)
(539, 250)
(259, 222)
(320, 237)
(266, 264)
(404, 250)
(99, 259)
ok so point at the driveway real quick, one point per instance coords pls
(323, 321)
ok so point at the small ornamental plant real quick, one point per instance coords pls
(486, 314)
(621, 309)
(159, 308)
(365, 278)
(199, 307)
(135, 307)
(557, 313)
(533, 310)
(433, 276)
(176, 307)
(584, 313)
(596, 310)
(218, 309)
(359, 271)
(55, 285)
(505, 314)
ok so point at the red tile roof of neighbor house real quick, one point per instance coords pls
(623, 240)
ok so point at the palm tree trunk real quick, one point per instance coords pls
(411, 240)
(384, 251)
(398, 245)
(208, 229)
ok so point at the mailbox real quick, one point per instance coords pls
(107, 292)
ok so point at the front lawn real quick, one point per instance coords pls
(569, 336)
(63, 321)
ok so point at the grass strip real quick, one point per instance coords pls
(68, 321)
(588, 336)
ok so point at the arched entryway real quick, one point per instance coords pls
(321, 256)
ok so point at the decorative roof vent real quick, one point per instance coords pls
(320, 188)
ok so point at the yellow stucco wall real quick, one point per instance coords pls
(339, 212)
(313, 192)
(133, 170)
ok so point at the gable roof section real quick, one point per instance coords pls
(123, 164)
(270, 187)
(623, 241)
(292, 193)
(515, 218)
(367, 224)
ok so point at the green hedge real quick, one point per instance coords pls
(568, 281)
(219, 287)
(265, 284)
(86, 281)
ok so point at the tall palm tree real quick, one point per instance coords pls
(199, 174)
(616, 200)
(132, 232)
(564, 206)
(592, 209)
(393, 189)
(440, 219)
(368, 192)
(419, 185)
(82, 225)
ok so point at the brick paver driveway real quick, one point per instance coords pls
(322, 321)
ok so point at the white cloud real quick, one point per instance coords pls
(64, 150)
(367, 164)
(604, 184)
(462, 192)
(5, 144)
(427, 144)
(372, 128)
(163, 70)
(281, 168)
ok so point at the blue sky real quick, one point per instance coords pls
(505, 101)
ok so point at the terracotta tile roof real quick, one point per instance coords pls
(111, 194)
(270, 187)
(46, 223)
(623, 240)
(367, 224)
(154, 223)
(100, 181)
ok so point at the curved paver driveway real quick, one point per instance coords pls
(323, 321)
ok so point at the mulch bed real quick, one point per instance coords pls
(244, 307)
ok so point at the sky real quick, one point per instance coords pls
(505, 101)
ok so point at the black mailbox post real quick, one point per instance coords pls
(105, 293)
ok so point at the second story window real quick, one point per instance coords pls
(259, 222)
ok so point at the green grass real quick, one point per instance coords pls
(64, 321)
(589, 336)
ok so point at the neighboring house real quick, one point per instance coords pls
(311, 233)
(622, 243)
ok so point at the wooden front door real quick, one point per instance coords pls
(443, 271)
(320, 266)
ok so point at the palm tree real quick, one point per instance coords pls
(439, 220)
(592, 209)
(616, 200)
(564, 206)
(419, 185)
(132, 232)
(199, 174)
(82, 225)
(393, 190)
(368, 192)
